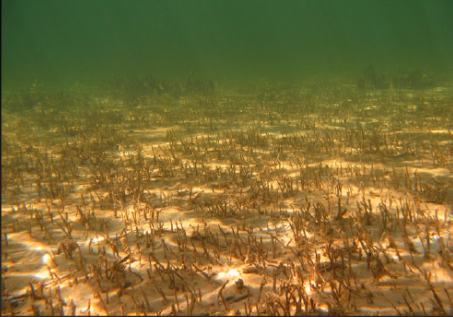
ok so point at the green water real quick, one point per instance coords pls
(52, 42)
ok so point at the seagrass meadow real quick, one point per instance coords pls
(210, 157)
(196, 199)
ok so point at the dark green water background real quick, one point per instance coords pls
(86, 41)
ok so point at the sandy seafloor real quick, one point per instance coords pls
(246, 203)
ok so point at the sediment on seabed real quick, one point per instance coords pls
(260, 201)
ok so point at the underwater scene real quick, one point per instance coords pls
(227, 157)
